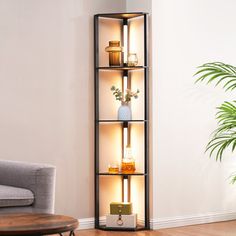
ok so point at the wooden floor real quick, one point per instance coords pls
(215, 229)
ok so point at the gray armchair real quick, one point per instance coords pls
(26, 187)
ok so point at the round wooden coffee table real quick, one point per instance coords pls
(36, 224)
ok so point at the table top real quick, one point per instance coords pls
(35, 224)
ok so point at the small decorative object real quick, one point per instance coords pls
(132, 59)
(113, 168)
(124, 112)
(121, 208)
(122, 221)
(128, 162)
(114, 51)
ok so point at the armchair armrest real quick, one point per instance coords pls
(39, 178)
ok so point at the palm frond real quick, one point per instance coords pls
(219, 72)
(220, 143)
(233, 178)
(225, 135)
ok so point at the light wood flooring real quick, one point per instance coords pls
(227, 228)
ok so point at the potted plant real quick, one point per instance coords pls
(225, 135)
(124, 111)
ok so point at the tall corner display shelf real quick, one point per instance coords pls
(109, 131)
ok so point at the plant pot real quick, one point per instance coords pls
(124, 112)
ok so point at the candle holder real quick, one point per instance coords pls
(132, 59)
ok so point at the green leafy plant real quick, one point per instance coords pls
(224, 137)
(124, 97)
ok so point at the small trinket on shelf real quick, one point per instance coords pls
(132, 59)
(114, 51)
(121, 208)
(128, 162)
(125, 97)
(113, 168)
(121, 221)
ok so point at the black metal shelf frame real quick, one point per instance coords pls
(122, 174)
(125, 17)
(124, 68)
(121, 121)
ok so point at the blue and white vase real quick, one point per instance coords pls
(124, 112)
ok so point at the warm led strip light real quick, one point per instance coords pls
(125, 83)
(125, 139)
(125, 129)
(125, 190)
(125, 40)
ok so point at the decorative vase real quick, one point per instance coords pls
(124, 112)
(114, 49)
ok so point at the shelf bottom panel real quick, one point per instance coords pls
(139, 227)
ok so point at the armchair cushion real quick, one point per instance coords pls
(38, 178)
(13, 196)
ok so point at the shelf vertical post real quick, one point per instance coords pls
(146, 112)
(96, 125)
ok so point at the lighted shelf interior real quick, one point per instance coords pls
(108, 106)
(110, 144)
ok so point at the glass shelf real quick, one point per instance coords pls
(121, 174)
(121, 67)
(120, 121)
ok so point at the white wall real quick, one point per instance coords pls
(46, 91)
(188, 186)
(187, 34)
(139, 6)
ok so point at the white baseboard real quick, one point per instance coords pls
(191, 220)
(88, 223)
(171, 222)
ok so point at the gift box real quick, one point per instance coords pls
(121, 221)
(121, 208)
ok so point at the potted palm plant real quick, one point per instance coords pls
(224, 137)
